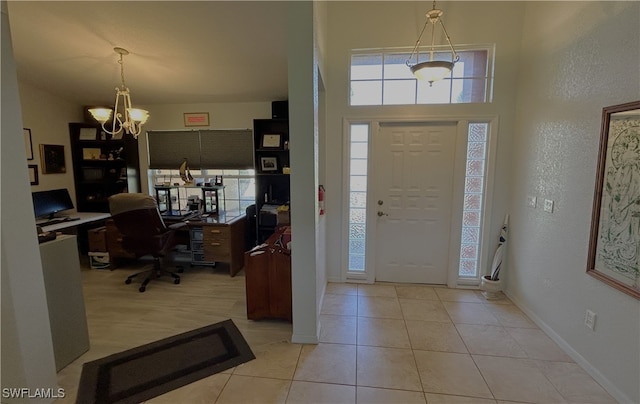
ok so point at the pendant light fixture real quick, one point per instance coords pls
(432, 70)
(125, 117)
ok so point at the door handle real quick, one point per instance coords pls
(380, 214)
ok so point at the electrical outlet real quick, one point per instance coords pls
(548, 205)
(590, 320)
(532, 201)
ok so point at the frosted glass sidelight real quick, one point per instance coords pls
(473, 199)
(358, 155)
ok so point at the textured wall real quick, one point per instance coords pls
(577, 57)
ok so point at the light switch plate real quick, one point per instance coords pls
(548, 205)
(532, 201)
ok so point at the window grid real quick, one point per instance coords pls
(473, 199)
(358, 155)
(239, 191)
(375, 74)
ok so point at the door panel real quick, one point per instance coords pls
(413, 185)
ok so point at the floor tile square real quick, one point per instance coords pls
(459, 295)
(538, 345)
(470, 313)
(327, 363)
(489, 340)
(309, 392)
(343, 305)
(390, 368)
(341, 288)
(434, 336)
(425, 310)
(450, 373)
(386, 332)
(338, 329)
(371, 395)
(379, 290)
(516, 379)
(258, 390)
(277, 361)
(382, 307)
(416, 292)
(574, 384)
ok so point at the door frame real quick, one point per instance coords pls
(462, 125)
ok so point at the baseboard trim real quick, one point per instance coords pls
(579, 359)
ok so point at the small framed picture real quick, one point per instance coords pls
(88, 134)
(33, 174)
(196, 119)
(52, 159)
(27, 143)
(271, 140)
(269, 164)
(91, 153)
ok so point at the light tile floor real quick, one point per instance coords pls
(379, 343)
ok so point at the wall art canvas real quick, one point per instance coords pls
(614, 247)
(52, 159)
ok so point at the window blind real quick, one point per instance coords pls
(214, 149)
(168, 149)
(226, 149)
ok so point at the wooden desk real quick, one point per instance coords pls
(84, 218)
(218, 238)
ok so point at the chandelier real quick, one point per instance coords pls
(134, 118)
(432, 70)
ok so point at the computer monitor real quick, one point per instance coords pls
(48, 203)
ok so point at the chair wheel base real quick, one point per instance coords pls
(128, 281)
(142, 289)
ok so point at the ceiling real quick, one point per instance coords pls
(180, 51)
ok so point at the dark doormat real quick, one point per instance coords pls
(153, 369)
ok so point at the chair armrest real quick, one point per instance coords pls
(177, 226)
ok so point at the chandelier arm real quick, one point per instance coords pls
(415, 48)
(454, 54)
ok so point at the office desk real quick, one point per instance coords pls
(85, 219)
(218, 238)
(211, 239)
(80, 227)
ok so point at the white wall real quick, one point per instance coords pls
(578, 57)
(374, 24)
(48, 117)
(27, 350)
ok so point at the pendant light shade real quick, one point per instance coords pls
(432, 70)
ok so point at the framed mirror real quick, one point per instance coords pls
(614, 244)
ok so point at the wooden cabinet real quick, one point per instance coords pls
(102, 166)
(114, 243)
(218, 239)
(271, 142)
(268, 280)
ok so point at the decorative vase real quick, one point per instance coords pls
(491, 290)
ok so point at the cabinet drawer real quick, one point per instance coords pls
(217, 250)
(216, 232)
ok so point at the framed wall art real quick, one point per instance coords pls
(52, 159)
(28, 145)
(196, 119)
(271, 141)
(269, 164)
(614, 243)
(33, 174)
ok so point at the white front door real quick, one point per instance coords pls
(413, 192)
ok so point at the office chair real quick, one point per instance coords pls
(136, 216)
